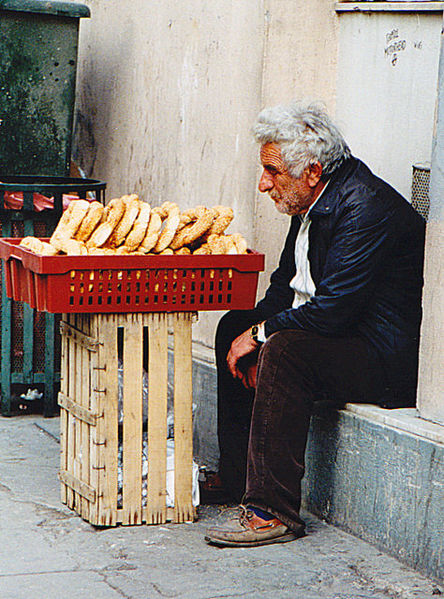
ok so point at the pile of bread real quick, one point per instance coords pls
(130, 226)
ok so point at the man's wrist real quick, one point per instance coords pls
(257, 332)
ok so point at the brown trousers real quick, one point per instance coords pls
(263, 434)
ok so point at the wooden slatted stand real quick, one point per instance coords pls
(90, 430)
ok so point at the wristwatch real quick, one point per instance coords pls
(254, 331)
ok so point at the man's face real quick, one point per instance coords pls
(290, 195)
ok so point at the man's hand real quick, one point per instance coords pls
(248, 379)
(242, 346)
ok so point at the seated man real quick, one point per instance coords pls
(340, 319)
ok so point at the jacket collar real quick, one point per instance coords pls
(328, 200)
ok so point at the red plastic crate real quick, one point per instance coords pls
(96, 284)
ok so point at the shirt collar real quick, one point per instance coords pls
(304, 216)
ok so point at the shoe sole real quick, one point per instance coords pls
(290, 536)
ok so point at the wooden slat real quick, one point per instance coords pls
(169, 515)
(157, 413)
(71, 419)
(84, 405)
(78, 458)
(132, 419)
(107, 451)
(64, 415)
(95, 383)
(90, 343)
(79, 412)
(81, 488)
(183, 421)
(86, 401)
(89, 395)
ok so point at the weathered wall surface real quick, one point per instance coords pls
(431, 373)
(167, 94)
(387, 78)
(430, 395)
(299, 63)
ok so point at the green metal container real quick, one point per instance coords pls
(38, 59)
(30, 340)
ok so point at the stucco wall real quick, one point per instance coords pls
(300, 60)
(387, 78)
(431, 373)
(167, 93)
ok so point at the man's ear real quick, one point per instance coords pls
(314, 174)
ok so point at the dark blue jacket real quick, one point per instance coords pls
(366, 246)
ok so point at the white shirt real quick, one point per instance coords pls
(302, 283)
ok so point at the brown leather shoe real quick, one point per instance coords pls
(251, 531)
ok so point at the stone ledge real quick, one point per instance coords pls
(403, 419)
(379, 482)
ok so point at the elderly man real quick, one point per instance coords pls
(340, 319)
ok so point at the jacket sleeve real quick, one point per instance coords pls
(279, 295)
(361, 241)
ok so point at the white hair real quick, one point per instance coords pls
(305, 135)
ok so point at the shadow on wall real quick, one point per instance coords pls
(84, 150)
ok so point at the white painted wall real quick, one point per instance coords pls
(168, 92)
(299, 63)
(387, 78)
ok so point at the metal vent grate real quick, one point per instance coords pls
(420, 189)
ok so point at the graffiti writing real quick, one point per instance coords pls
(394, 45)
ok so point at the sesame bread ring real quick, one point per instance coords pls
(64, 219)
(48, 249)
(138, 232)
(77, 214)
(122, 250)
(224, 217)
(100, 251)
(90, 221)
(241, 244)
(183, 251)
(230, 246)
(216, 244)
(164, 210)
(32, 244)
(152, 233)
(72, 247)
(132, 207)
(113, 212)
(69, 223)
(190, 215)
(169, 230)
(202, 250)
(194, 231)
(35, 245)
(63, 222)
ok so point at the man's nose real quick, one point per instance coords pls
(265, 182)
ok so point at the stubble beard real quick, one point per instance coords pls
(290, 204)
